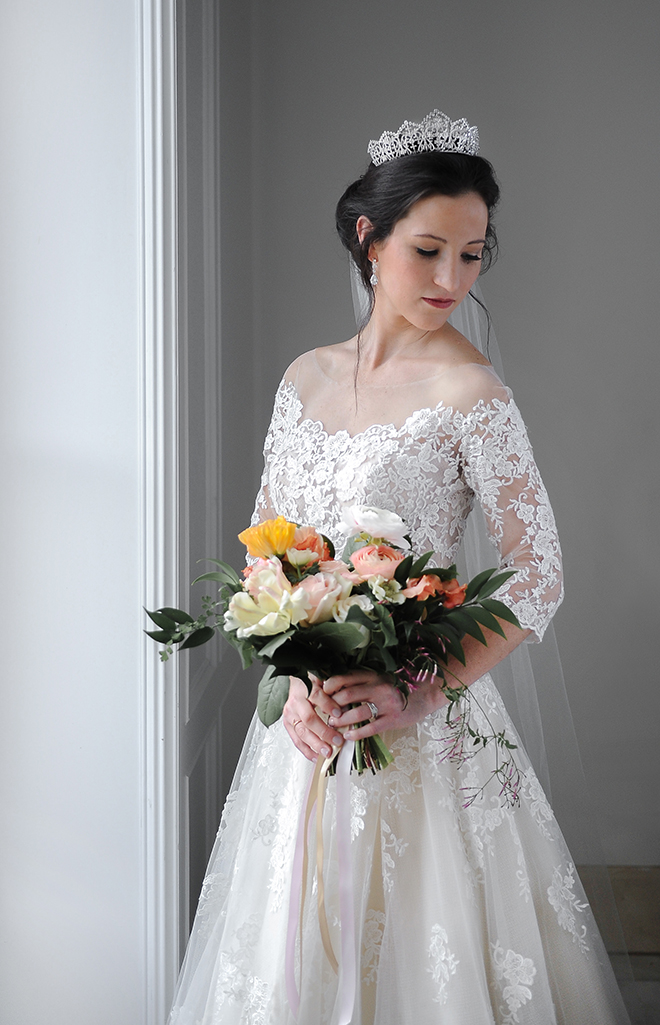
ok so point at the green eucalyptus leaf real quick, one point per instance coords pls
(162, 636)
(402, 571)
(178, 615)
(340, 636)
(228, 573)
(418, 567)
(494, 583)
(486, 619)
(197, 637)
(270, 647)
(272, 696)
(498, 608)
(466, 623)
(357, 615)
(218, 576)
(477, 582)
(161, 620)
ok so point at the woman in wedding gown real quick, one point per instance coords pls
(464, 915)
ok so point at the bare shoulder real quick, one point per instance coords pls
(332, 360)
(469, 379)
(460, 351)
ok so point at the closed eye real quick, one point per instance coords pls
(428, 252)
(471, 257)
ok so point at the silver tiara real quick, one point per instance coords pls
(436, 132)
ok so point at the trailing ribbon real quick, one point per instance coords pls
(315, 796)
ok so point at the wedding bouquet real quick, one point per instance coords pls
(304, 613)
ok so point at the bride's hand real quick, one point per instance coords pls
(361, 686)
(308, 731)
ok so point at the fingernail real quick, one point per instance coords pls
(326, 751)
(338, 740)
(332, 721)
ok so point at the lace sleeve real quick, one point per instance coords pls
(263, 509)
(498, 465)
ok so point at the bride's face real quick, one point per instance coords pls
(429, 262)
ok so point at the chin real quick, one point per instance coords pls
(431, 321)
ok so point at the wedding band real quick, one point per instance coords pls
(373, 709)
(296, 722)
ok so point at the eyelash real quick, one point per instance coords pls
(430, 253)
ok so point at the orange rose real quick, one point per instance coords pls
(423, 587)
(453, 593)
(376, 560)
(309, 542)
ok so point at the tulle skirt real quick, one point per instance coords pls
(464, 915)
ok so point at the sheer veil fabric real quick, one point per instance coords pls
(463, 914)
(541, 713)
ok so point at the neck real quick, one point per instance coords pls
(389, 336)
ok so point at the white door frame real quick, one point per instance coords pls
(160, 505)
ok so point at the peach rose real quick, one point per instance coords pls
(321, 593)
(376, 560)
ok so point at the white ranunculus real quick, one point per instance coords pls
(341, 608)
(341, 611)
(377, 523)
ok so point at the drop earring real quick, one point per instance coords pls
(374, 273)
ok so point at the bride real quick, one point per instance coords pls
(463, 915)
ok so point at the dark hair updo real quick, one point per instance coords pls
(386, 192)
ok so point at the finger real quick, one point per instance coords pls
(318, 736)
(379, 725)
(337, 683)
(324, 702)
(304, 748)
(380, 693)
(349, 716)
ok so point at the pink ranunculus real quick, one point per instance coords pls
(340, 567)
(322, 592)
(376, 560)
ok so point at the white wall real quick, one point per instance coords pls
(69, 535)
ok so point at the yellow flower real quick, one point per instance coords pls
(272, 537)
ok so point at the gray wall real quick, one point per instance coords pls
(566, 99)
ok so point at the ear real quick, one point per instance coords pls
(363, 226)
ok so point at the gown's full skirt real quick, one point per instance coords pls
(464, 915)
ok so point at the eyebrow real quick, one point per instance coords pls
(438, 239)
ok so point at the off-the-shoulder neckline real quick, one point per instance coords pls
(343, 433)
(404, 384)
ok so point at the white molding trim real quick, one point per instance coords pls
(160, 504)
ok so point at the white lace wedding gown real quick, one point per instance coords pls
(465, 916)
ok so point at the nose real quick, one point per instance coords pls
(447, 275)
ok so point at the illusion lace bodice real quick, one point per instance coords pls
(429, 470)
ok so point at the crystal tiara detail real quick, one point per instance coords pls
(436, 132)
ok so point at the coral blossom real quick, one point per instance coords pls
(450, 591)
(376, 560)
(453, 593)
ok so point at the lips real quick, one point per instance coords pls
(439, 304)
